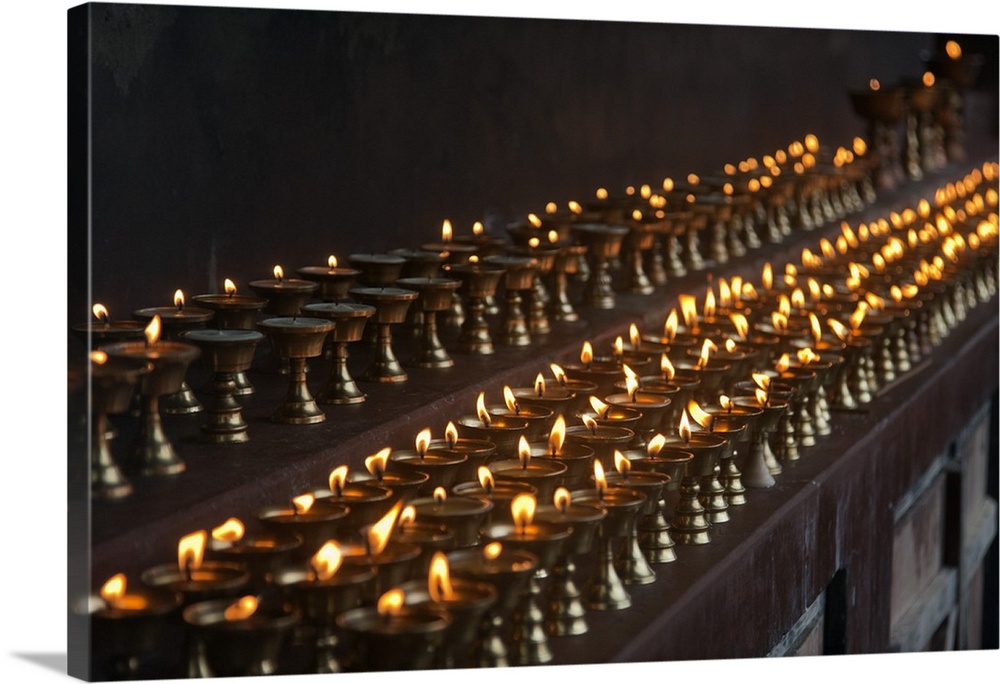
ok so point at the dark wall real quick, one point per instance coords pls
(228, 140)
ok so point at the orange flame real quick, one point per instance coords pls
(700, 416)
(761, 380)
(230, 531)
(179, 299)
(767, 276)
(376, 463)
(655, 445)
(807, 356)
(779, 321)
(557, 435)
(725, 294)
(953, 49)
(784, 306)
(337, 480)
(379, 533)
(708, 310)
(327, 560)
(725, 402)
(446, 231)
(485, 478)
(619, 347)
(838, 328)
(666, 367)
(153, 330)
(622, 464)
(523, 452)
(440, 495)
(98, 357)
(451, 434)
(562, 499)
(477, 227)
(522, 510)
(783, 363)
(586, 353)
(279, 272)
(575, 207)
(684, 428)
(708, 347)
(600, 408)
(303, 503)
(670, 326)
(390, 603)
(100, 312)
(798, 298)
(858, 317)
(761, 395)
(510, 401)
(241, 609)
(558, 373)
(590, 423)
(631, 386)
(407, 515)
(422, 441)
(492, 550)
(748, 291)
(481, 411)
(439, 585)
(600, 481)
(191, 550)
(730, 345)
(689, 310)
(540, 385)
(741, 324)
(633, 335)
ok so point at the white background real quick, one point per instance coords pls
(32, 380)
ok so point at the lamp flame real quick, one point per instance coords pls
(631, 386)
(279, 272)
(241, 609)
(586, 353)
(179, 299)
(798, 298)
(858, 317)
(390, 603)
(600, 408)
(492, 550)
(807, 356)
(98, 357)
(761, 380)
(303, 503)
(761, 396)
(730, 345)
(562, 499)
(667, 368)
(725, 294)
(100, 312)
(590, 423)
(953, 49)
(557, 435)
(337, 480)
(779, 321)
(684, 428)
(481, 411)
(741, 324)
(446, 231)
(838, 328)
(708, 309)
(700, 416)
(767, 276)
(114, 589)
(522, 510)
(689, 311)
(622, 464)
(558, 373)
(485, 478)
(725, 402)
(670, 326)
(655, 445)
(153, 330)
(539, 385)
(599, 480)
(191, 551)
(508, 398)
(633, 335)
(783, 363)
(708, 347)
(439, 579)
(327, 560)
(422, 442)
(407, 515)
(523, 452)
(376, 463)
(619, 347)
(451, 434)
(440, 495)
(379, 533)
(230, 531)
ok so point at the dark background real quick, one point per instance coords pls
(225, 141)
